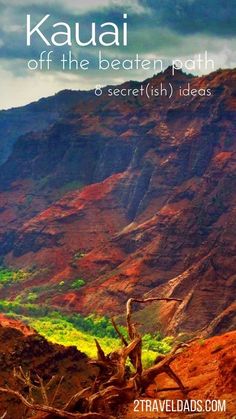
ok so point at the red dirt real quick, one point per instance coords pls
(21, 347)
(209, 368)
(16, 324)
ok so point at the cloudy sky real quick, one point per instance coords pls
(161, 29)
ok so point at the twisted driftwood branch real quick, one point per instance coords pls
(53, 410)
(113, 384)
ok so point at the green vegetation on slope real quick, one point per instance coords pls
(79, 331)
(71, 328)
(9, 277)
(57, 329)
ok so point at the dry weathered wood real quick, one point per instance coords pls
(100, 353)
(175, 377)
(56, 392)
(122, 338)
(113, 385)
(52, 410)
(70, 405)
(43, 390)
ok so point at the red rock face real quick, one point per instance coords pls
(152, 208)
(6, 322)
(22, 347)
(208, 369)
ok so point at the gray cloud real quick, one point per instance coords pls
(157, 28)
(213, 17)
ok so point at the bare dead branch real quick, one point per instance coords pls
(113, 384)
(43, 391)
(52, 410)
(174, 376)
(56, 391)
(131, 347)
(122, 338)
(100, 353)
(51, 382)
(76, 397)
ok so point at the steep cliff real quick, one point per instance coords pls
(134, 195)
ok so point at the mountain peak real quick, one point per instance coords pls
(175, 72)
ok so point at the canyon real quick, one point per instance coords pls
(135, 196)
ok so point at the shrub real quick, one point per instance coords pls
(31, 297)
(78, 283)
(157, 344)
(8, 276)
